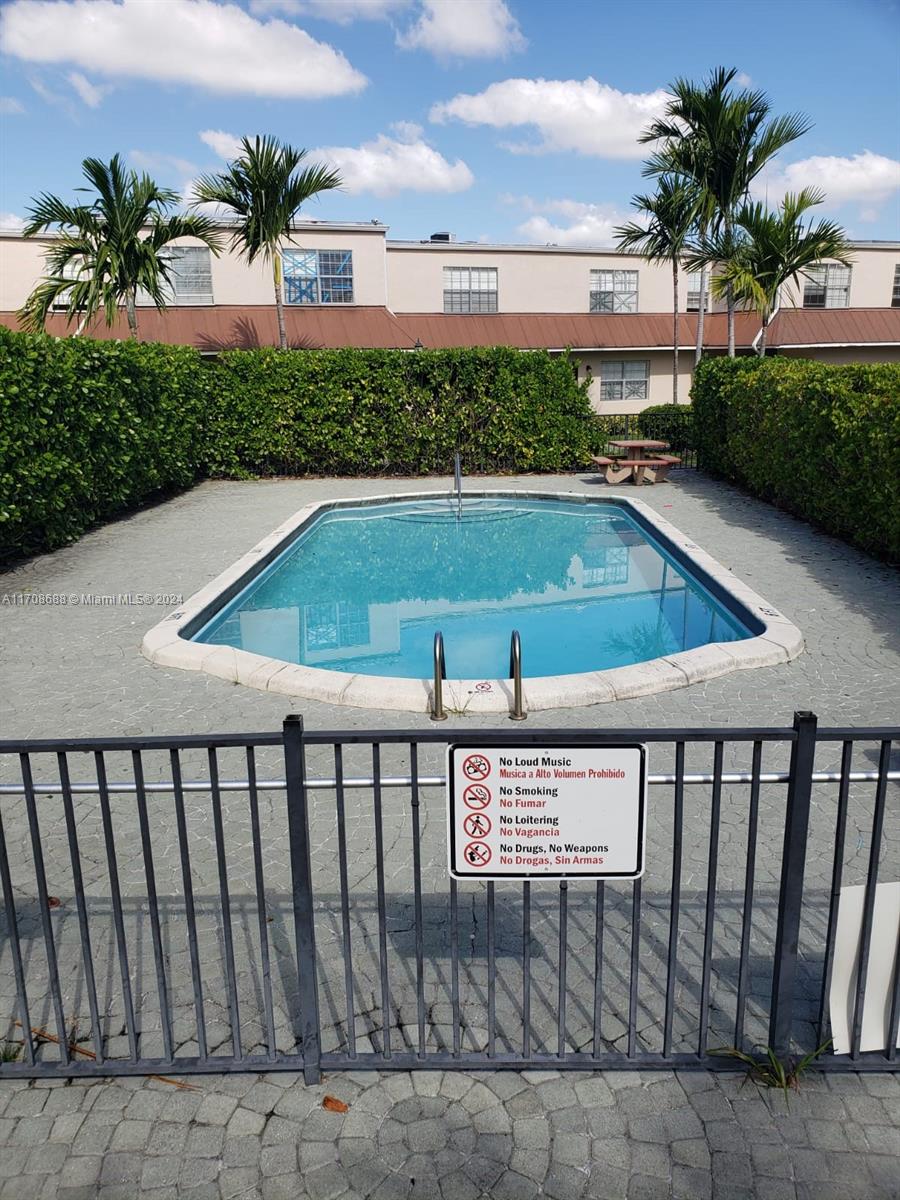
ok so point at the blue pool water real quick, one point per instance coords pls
(363, 589)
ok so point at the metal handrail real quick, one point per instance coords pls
(457, 480)
(438, 712)
(515, 673)
(127, 787)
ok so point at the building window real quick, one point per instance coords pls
(895, 295)
(625, 380)
(336, 626)
(190, 271)
(470, 289)
(318, 276)
(827, 286)
(693, 292)
(614, 291)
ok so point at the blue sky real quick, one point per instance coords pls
(500, 120)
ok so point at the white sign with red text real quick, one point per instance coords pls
(551, 811)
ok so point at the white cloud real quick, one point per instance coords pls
(342, 12)
(167, 165)
(219, 47)
(388, 165)
(464, 29)
(568, 114)
(384, 166)
(743, 79)
(587, 224)
(91, 93)
(10, 106)
(10, 220)
(226, 145)
(867, 178)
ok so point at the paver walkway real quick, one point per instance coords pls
(77, 671)
(453, 1136)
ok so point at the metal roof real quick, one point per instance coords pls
(222, 327)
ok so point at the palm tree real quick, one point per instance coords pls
(721, 139)
(770, 250)
(264, 190)
(109, 248)
(673, 213)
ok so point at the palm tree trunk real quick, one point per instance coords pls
(762, 336)
(131, 313)
(675, 331)
(279, 301)
(729, 296)
(701, 314)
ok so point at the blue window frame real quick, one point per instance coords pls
(318, 276)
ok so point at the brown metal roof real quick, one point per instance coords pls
(223, 327)
(835, 326)
(228, 327)
(580, 331)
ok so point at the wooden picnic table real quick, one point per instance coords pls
(637, 462)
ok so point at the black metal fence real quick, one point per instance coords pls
(675, 427)
(281, 901)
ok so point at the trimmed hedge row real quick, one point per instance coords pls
(673, 423)
(395, 412)
(820, 441)
(89, 428)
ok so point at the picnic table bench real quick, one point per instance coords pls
(653, 470)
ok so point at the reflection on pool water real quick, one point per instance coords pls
(363, 589)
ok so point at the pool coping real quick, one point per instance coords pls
(777, 639)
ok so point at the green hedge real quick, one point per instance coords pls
(394, 412)
(821, 441)
(89, 428)
(673, 423)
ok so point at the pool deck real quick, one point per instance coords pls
(76, 670)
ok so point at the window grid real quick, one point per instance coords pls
(470, 289)
(624, 380)
(190, 272)
(693, 292)
(614, 291)
(318, 276)
(895, 295)
(827, 286)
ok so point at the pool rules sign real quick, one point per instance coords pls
(546, 812)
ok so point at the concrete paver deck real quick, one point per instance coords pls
(76, 670)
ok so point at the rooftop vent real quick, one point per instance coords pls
(443, 237)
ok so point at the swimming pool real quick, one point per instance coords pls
(343, 603)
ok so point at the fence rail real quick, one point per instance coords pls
(281, 901)
(676, 428)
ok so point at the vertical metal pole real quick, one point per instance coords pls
(515, 670)
(790, 899)
(438, 712)
(457, 477)
(301, 883)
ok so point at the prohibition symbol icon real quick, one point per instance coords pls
(476, 796)
(477, 854)
(477, 825)
(476, 767)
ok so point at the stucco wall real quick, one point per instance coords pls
(660, 381)
(527, 280)
(871, 279)
(234, 281)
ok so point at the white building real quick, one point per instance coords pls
(347, 284)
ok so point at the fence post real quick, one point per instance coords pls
(790, 897)
(301, 886)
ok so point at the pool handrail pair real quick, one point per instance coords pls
(439, 713)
